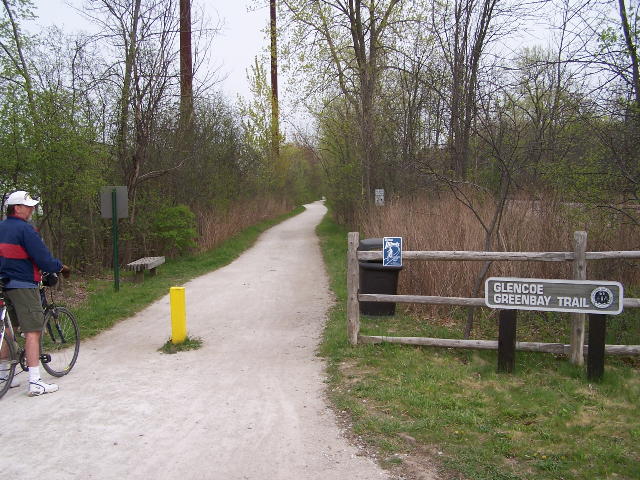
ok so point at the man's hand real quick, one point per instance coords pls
(66, 271)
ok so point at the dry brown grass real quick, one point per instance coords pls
(215, 226)
(444, 223)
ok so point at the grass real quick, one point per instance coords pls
(105, 307)
(189, 344)
(545, 421)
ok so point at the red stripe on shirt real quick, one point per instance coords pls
(8, 250)
(37, 276)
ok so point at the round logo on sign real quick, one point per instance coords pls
(602, 297)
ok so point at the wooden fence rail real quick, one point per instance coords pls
(458, 255)
(576, 349)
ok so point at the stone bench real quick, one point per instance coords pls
(145, 263)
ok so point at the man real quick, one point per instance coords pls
(23, 256)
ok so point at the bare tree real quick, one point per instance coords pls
(464, 29)
(145, 33)
(352, 35)
(13, 48)
(275, 110)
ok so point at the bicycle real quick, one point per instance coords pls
(59, 342)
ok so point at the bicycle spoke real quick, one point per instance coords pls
(60, 342)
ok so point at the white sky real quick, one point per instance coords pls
(241, 38)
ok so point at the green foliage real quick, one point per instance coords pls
(303, 178)
(342, 168)
(174, 228)
(256, 125)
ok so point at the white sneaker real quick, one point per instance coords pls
(40, 388)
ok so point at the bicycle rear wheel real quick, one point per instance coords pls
(7, 364)
(60, 342)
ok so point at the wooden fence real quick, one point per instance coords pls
(576, 349)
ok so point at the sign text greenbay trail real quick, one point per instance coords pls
(575, 296)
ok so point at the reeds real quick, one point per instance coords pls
(444, 223)
(217, 225)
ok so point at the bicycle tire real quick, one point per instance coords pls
(5, 383)
(60, 340)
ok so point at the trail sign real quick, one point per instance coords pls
(379, 192)
(392, 251)
(121, 200)
(574, 296)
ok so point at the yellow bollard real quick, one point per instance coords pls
(178, 315)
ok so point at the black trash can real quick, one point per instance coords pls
(377, 278)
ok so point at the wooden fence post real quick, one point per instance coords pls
(595, 355)
(507, 340)
(353, 284)
(576, 353)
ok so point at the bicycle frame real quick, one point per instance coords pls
(7, 327)
(5, 323)
(51, 307)
(59, 338)
(6, 330)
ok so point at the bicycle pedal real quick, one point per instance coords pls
(45, 358)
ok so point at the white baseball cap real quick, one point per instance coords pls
(21, 198)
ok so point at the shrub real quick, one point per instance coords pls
(174, 228)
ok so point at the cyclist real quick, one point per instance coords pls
(23, 256)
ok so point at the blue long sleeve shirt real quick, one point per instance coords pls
(23, 254)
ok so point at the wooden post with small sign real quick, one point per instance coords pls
(353, 284)
(507, 341)
(595, 355)
(576, 355)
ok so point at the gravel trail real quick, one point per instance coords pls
(250, 404)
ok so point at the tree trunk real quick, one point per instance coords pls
(632, 51)
(275, 110)
(186, 68)
(130, 55)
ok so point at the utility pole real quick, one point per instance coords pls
(275, 123)
(186, 68)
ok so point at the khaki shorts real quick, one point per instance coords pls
(24, 305)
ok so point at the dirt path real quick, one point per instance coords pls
(248, 405)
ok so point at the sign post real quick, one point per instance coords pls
(114, 204)
(596, 298)
(595, 355)
(114, 232)
(507, 340)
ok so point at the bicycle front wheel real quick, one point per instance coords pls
(60, 342)
(8, 363)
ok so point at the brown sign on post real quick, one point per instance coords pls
(574, 296)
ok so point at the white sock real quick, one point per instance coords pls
(34, 374)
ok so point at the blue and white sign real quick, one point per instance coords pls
(392, 251)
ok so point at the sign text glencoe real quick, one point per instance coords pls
(577, 296)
